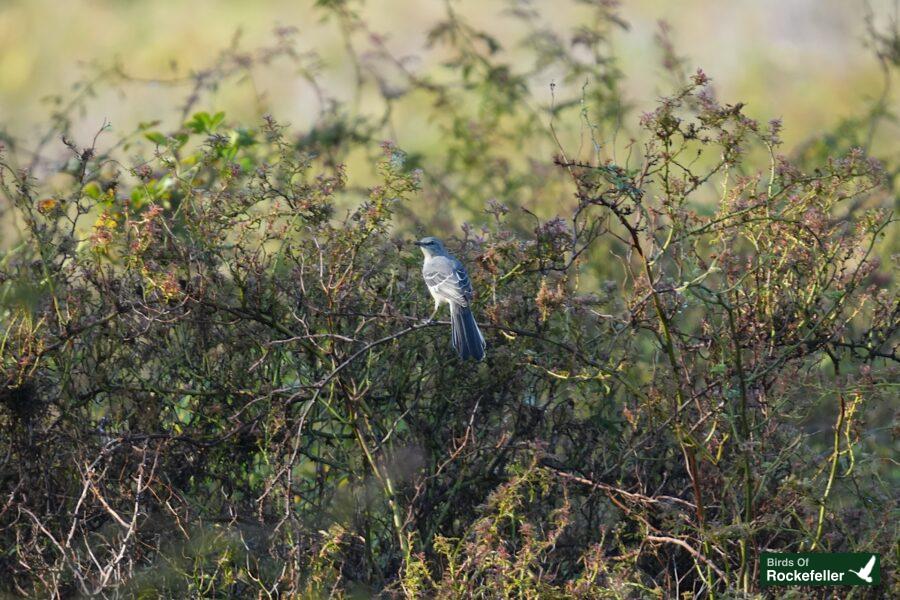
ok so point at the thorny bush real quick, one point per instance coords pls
(217, 379)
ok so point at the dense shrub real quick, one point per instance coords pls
(217, 379)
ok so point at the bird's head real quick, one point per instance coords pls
(430, 246)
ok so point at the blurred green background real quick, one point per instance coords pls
(803, 60)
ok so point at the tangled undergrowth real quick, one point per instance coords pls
(217, 380)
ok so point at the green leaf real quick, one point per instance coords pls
(92, 190)
(243, 137)
(156, 137)
(203, 122)
(138, 198)
(199, 122)
(215, 121)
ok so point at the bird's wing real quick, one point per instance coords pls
(447, 279)
(866, 570)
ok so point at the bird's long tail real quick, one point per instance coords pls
(467, 338)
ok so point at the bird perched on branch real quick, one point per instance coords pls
(448, 282)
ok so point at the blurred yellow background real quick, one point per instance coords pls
(803, 60)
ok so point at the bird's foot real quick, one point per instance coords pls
(430, 319)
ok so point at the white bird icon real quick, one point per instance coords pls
(866, 572)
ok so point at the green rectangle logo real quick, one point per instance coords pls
(819, 568)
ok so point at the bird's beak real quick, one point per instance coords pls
(418, 243)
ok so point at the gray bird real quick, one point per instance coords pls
(448, 282)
